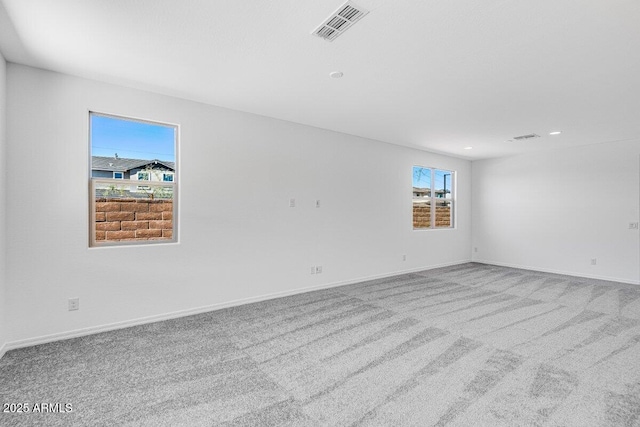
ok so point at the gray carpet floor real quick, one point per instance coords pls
(470, 345)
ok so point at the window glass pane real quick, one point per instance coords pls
(421, 197)
(442, 187)
(443, 181)
(118, 138)
(444, 212)
(433, 198)
(422, 181)
(421, 213)
(131, 151)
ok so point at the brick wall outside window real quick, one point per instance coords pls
(133, 219)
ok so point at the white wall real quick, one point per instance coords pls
(238, 237)
(555, 211)
(3, 205)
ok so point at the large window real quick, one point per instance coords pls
(123, 152)
(433, 198)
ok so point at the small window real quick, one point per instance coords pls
(123, 152)
(433, 198)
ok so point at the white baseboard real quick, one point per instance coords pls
(204, 309)
(564, 273)
(3, 349)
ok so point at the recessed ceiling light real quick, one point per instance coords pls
(468, 148)
(555, 133)
(336, 74)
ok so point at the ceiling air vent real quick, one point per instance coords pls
(339, 21)
(525, 137)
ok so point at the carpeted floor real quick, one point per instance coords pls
(471, 345)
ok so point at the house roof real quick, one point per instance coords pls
(122, 164)
(426, 190)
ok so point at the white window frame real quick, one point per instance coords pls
(433, 199)
(121, 175)
(94, 182)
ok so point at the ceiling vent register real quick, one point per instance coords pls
(525, 137)
(340, 21)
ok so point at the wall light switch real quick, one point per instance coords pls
(74, 304)
(633, 226)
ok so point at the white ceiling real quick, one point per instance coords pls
(438, 75)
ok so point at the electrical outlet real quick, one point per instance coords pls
(633, 226)
(317, 203)
(313, 269)
(594, 261)
(74, 304)
(292, 203)
(404, 257)
(475, 249)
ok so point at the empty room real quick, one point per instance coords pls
(361, 213)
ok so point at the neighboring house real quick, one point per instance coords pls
(441, 194)
(420, 193)
(134, 169)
